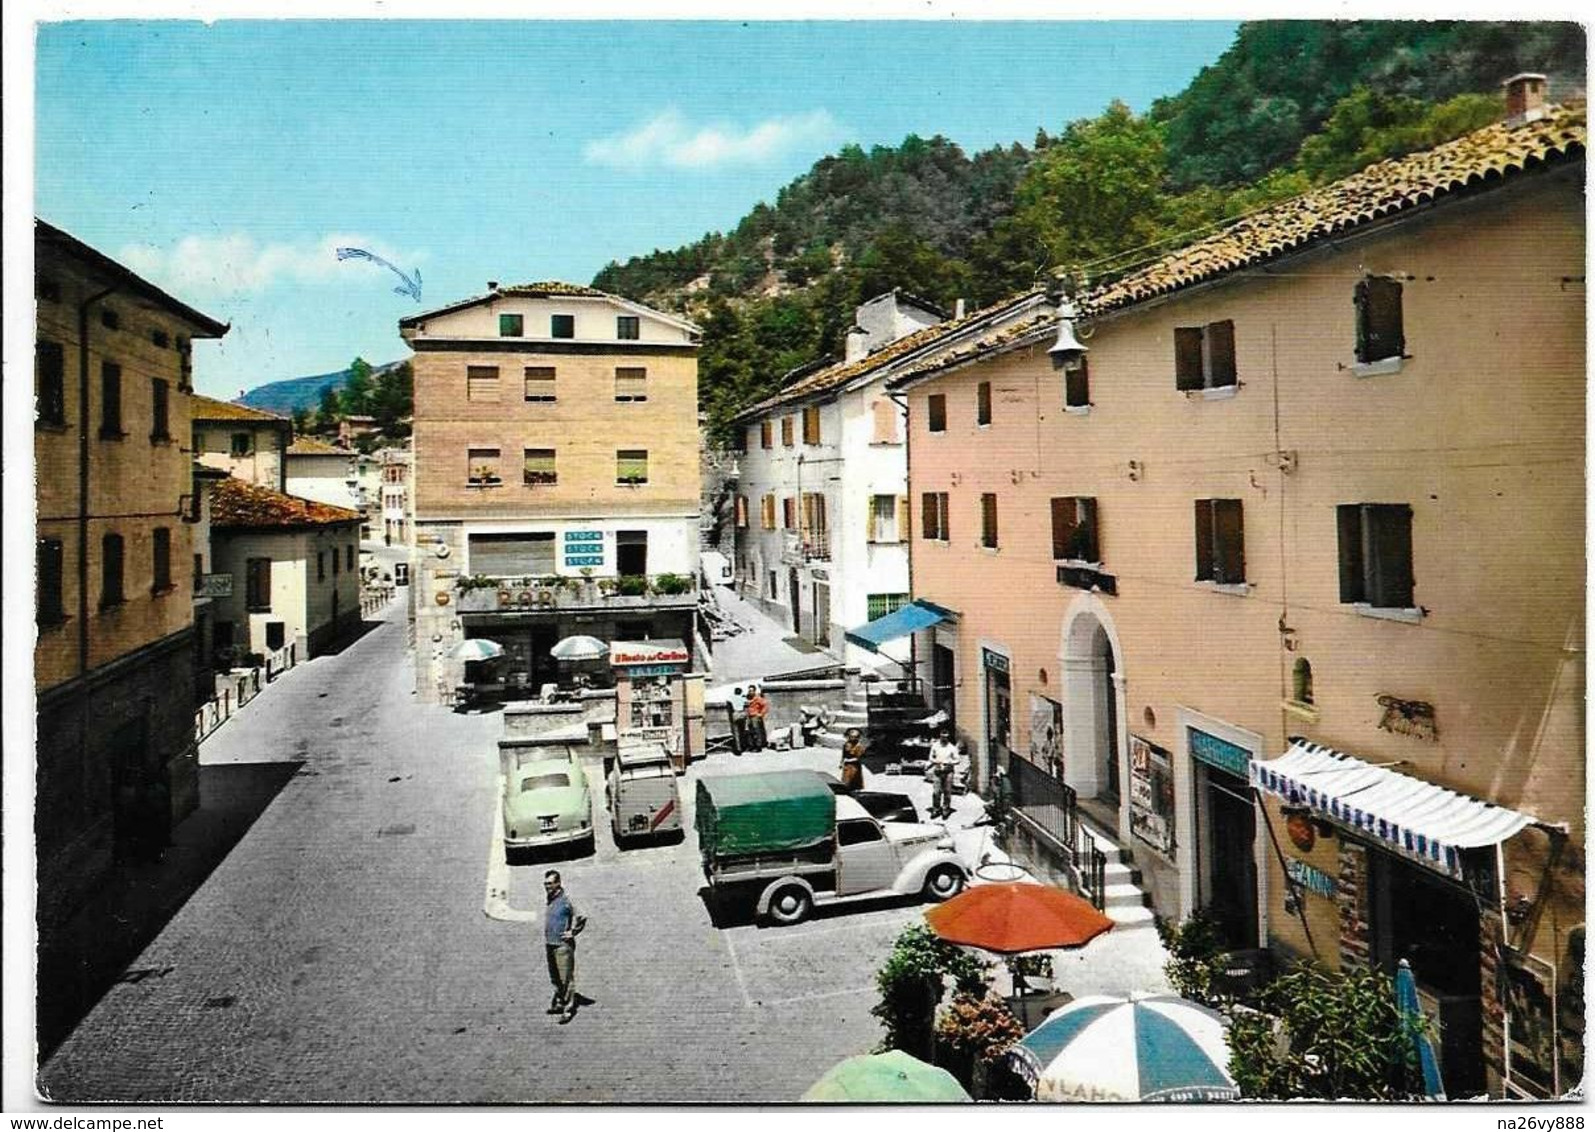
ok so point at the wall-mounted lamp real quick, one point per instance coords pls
(957, 478)
(1136, 471)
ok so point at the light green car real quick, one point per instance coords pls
(546, 802)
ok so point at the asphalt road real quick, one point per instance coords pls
(343, 952)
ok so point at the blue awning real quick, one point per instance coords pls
(910, 618)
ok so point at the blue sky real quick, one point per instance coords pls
(227, 162)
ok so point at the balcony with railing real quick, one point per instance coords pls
(482, 593)
(810, 545)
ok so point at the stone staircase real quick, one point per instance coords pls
(854, 712)
(1125, 902)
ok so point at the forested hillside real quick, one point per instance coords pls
(1289, 105)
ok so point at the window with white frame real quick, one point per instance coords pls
(1204, 356)
(1220, 542)
(1376, 554)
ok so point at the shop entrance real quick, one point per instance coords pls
(1433, 923)
(999, 708)
(1226, 834)
(796, 590)
(822, 615)
(1092, 689)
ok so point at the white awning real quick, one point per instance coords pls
(1416, 818)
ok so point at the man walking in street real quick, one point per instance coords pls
(943, 763)
(561, 925)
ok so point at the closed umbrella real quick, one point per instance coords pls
(1144, 1048)
(893, 1076)
(477, 648)
(1407, 1001)
(580, 647)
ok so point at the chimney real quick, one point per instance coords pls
(492, 284)
(958, 309)
(857, 344)
(1525, 98)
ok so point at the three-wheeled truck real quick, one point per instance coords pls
(640, 790)
(784, 842)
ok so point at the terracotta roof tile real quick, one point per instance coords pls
(1484, 157)
(840, 373)
(234, 503)
(210, 409)
(1013, 335)
(310, 446)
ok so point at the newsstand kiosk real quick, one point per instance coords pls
(656, 697)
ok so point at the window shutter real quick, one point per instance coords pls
(1077, 384)
(1389, 554)
(902, 518)
(1188, 357)
(1092, 540)
(1221, 353)
(873, 519)
(1229, 563)
(988, 520)
(1359, 304)
(1381, 320)
(928, 527)
(983, 403)
(631, 383)
(1063, 523)
(1348, 518)
(481, 383)
(1204, 540)
(885, 411)
(943, 518)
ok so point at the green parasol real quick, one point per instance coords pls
(893, 1076)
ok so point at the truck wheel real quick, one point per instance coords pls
(944, 882)
(791, 904)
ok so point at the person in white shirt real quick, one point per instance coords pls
(943, 764)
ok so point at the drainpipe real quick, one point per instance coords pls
(900, 399)
(83, 477)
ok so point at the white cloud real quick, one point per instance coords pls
(669, 139)
(223, 266)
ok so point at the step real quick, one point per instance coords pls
(851, 718)
(1123, 895)
(1130, 916)
(856, 704)
(829, 739)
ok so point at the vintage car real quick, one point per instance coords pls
(547, 801)
(882, 805)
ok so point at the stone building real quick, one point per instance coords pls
(251, 444)
(555, 482)
(116, 763)
(1280, 585)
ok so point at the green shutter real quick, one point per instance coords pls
(1348, 519)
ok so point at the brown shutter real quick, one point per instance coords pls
(1359, 303)
(1229, 564)
(1188, 357)
(1389, 555)
(1093, 531)
(1077, 384)
(1204, 540)
(902, 518)
(1348, 518)
(1062, 527)
(928, 527)
(944, 516)
(983, 403)
(873, 528)
(1221, 353)
(1383, 337)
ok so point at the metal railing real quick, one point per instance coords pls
(1052, 808)
(374, 598)
(241, 687)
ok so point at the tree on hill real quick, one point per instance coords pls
(392, 400)
(328, 411)
(355, 400)
(301, 420)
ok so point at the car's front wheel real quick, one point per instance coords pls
(944, 882)
(791, 904)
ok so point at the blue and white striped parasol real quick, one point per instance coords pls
(1145, 1048)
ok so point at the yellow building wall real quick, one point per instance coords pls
(136, 483)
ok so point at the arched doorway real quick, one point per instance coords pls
(1093, 707)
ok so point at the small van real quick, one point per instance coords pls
(641, 791)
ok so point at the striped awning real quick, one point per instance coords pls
(1414, 817)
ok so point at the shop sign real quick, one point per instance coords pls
(640, 671)
(1046, 734)
(1151, 795)
(1316, 881)
(583, 536)
(584, 548)
(1225, 755)
(1532, 1067)
(626, 653)
(215, 585)
(994, 661)
(583, 559)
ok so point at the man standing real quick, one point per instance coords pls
(758, 708)
(738, 702)
(561, 925)
(943, 762)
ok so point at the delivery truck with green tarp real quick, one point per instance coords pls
(783, 841)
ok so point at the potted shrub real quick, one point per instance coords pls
(632, 585)
(973, 1035)
(672, 584)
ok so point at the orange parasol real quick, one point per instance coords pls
(1015, 917)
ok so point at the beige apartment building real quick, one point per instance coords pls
(554, 489)
(1280, 586)
(115, 764)
(251, 444)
